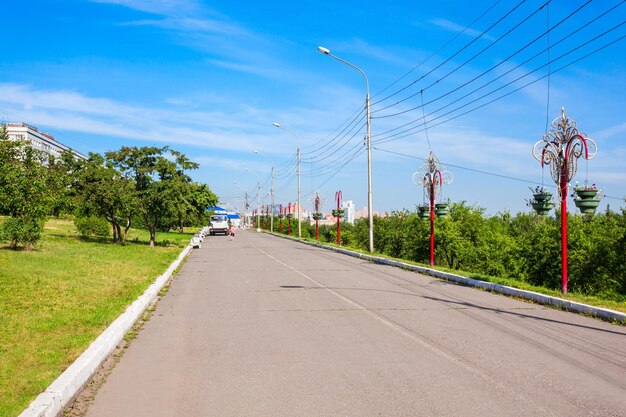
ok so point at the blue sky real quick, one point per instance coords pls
(209, 78)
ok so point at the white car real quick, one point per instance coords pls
(218, 224)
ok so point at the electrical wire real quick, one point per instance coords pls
(510, 57)
(468, 60)
(402, 134)
(453, 55)
(580, 28)
(438, 50)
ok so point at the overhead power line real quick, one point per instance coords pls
(468, 60)
(439, 50)
(402, 134)
(453, 55)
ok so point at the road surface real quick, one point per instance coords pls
(262, 326)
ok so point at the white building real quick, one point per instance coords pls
(350, 210)
(39, 140)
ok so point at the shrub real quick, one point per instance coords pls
(21, 231)
(92, 225)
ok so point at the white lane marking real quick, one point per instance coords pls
(411, 336)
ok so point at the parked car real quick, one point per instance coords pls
(218, 224)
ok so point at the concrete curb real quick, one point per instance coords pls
(63, 389)
(601, 313)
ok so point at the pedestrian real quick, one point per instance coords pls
(232, 231)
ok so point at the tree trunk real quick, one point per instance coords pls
(126, 229)
(120, 238)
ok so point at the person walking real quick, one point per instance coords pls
(232, 231)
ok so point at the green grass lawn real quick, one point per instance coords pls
(56, 299)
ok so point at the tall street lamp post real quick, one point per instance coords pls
(370, 211)
(258, 193)
(298, 142)
(432, 176)
(560, 148)
(271, 190)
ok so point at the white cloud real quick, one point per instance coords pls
(454, 27)
(162, 7)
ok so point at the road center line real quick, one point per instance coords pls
(411, 336)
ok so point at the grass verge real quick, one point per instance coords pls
(56, 299)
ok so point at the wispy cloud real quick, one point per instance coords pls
(67, 110)
(162, 7)
(231, 45)
(456, 28)
(236, 127)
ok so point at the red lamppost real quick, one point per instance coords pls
(338, 213)
(432, 178)
(289, 219)
(560, 148)
(317, 215)
(280, 216)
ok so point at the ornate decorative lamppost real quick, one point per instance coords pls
(317, 214)
(338, 213)
(289, 216)
(280, 216)
(432, 176)
(560, 148)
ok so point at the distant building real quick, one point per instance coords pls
(350, 211)
(39, 140)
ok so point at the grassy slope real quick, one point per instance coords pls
(58, 298)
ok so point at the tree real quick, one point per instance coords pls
(62, 174)
(159, 182)
(23, 192)
(105, 192)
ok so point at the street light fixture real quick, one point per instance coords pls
(272, 190)
(560, 149)
(370, 211)
(258, 193)
(298, 142)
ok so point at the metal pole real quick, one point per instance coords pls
(299, 206)
(317, 225)
(272, 211)
(558, 147)
(289, 220)
(258, 203)
(298, 142)
(564, 226)
(370, 206)
(432, 222)
(338, 219)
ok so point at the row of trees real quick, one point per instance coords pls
(524, 247)
(147, 187)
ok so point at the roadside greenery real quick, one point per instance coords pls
(147, 188)
(522, 250)
(55, 300)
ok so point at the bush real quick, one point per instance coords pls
(92, 226)
(20, 231)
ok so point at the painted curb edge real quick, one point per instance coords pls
(572, 306)
(63, 389)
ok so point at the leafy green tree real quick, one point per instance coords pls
(159, 181)
(191, 207)
(105, 192)
(62, 175)
(23, 192)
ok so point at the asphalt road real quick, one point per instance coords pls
(262, 326)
